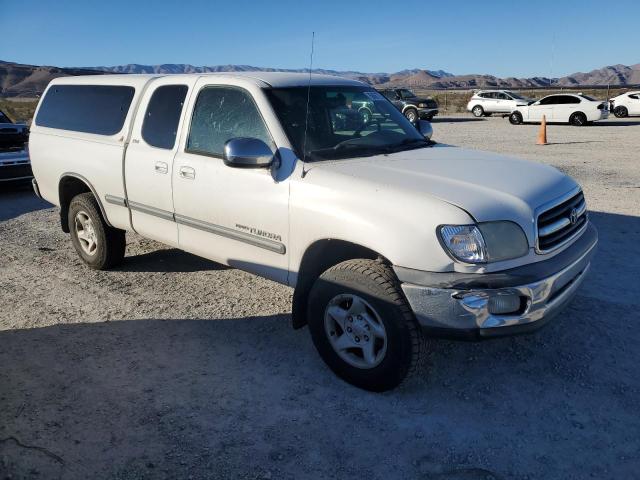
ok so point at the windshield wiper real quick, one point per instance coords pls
(341, 149)
(409, 144)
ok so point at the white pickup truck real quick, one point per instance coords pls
(386, 238)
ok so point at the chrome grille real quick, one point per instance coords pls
(562, 222)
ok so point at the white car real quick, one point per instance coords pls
(386, 238)
(486, 102)
(626, 104)
(576, 109)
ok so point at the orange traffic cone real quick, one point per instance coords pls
(542, 134)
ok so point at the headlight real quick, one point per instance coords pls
(486, 242)
(422, 105)
(504, 240)
(464, 242)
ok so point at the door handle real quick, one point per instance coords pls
(162, 167)
(187, 172)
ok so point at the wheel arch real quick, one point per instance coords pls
(70, 185)
(407, 107)
(317, 258)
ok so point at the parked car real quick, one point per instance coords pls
(626, 104)
(385, 238)
(14, 153)
(412, 106)
(486, 102)
(576, 109)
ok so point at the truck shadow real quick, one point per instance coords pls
(18, 199)
(132, 398)
(170, 260)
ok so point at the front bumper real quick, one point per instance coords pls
(459, 304)
(427, 112)
(15, 166)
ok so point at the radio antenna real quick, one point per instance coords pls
(306, 115)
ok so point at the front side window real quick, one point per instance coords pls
(98, 109)
(635, 97)
(223, 113)
(554, 100)
(404, 93)
(162, 116)
(343, 122)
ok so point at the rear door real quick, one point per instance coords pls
(634, 104)
(149, 158)
(565, 105)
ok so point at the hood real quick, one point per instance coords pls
(488, 186)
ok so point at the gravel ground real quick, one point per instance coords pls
(175, 367)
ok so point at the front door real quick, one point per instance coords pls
(541, 108)
(149, 159)
(235, 216)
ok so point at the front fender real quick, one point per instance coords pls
(398, 225)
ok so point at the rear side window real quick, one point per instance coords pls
(634, 96)
(162, 116)
(221, 114)
(99, 109)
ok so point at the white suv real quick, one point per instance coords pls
(626, 104)
(486, 102)
(386, 238)
(576, 109)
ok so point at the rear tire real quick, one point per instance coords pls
(578, 119)
(515, 118)
(362, 326)
(477, 111)
(621, 112)
(97, 244)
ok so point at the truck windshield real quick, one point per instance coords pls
(343, 122)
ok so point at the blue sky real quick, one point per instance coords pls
(505, 38)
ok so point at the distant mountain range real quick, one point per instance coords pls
(18, 80)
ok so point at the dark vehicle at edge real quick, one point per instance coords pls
(15, 165)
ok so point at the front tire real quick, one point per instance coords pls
(477, 111)
(515, 118)
(362, 326)
(621, 112)
(411, 114)
(578, 119)
(97, 244)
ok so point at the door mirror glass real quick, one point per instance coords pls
(425, 129)
(246, 152)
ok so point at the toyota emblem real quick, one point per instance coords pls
(573, 216)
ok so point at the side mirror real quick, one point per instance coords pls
(425, 129)
(246, 152)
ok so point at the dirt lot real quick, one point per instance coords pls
(176, 367)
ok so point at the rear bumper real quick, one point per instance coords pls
(460, 305)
